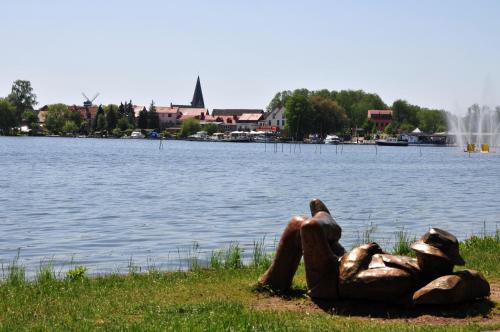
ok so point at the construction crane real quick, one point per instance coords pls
(88, 102)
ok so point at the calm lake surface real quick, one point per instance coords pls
(102, 202)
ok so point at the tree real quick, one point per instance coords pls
(22, 97)
(298, 114)
(328, 116)
(129, 111)
(369, 126)
(30, 119)
(211, 128)
(123, 124)
(278, 101)
(55, 117)
(7, 116)
(142, 120)
(111, 112)
(74, 116)
(431, 121)
(101, 122)
(189, 127)
(403, 112)
(153, 117)
(69, 127)
(100, 113)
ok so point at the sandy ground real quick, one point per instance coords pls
(481, 312)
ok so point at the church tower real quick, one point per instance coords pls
(198, 96)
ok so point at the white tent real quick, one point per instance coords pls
(416, 131)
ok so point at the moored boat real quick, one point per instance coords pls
(332, 139)
(391, 141)
(137, 134)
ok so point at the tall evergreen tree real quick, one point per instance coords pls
(100, 111)
(130, 113)
(111, 117)
(153, 117)
(142, 121)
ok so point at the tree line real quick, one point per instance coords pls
(343, 112)
(18, 108)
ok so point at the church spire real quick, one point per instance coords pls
(198, 96)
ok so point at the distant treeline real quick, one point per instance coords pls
(324, 112)
(18, 109)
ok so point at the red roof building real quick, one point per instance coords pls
(381, 118)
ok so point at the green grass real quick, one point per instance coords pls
(482, 253)
(221, 297)
(403, 243)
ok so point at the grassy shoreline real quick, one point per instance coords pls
(219, 297)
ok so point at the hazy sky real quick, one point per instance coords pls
(443, 54)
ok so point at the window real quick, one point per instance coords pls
(269, 122)
(169, 115)
(277, 122)
(283, 122)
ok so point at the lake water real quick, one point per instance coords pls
(103, 202)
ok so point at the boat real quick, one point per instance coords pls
(332, 139)
(199, 136)
(391, 141)
(217, 137)
(313, 139)
(137, 134)
(239, 137)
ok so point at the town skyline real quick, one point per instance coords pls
(438, 55)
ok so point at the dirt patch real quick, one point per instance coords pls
(482, 311)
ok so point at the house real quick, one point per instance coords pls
(88, 113)
(168, 116)
(226, 122)
(273, 121)
(381, 118)
(248, 121)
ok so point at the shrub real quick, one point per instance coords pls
(76, 273)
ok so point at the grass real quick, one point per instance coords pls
(483, 254)
(403, 243)
(220, 297)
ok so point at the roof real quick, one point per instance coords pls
(167, 110)
(388, 112)
(225, 118)
(198, 95)
(416, 131)
(235, 111)
(193, 112)
(92, 110)
(249, 117)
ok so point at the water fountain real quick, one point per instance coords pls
(479, 130)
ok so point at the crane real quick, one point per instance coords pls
(88, 102)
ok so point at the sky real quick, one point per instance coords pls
(437, 54)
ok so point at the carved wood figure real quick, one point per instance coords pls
(367, 272)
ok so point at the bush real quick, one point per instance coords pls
(117, 132)
(190, 127)
(76, 273)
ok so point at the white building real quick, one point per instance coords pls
(275, 119)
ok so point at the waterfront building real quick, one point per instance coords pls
(381, 118)
(248, 121)
(273, 121)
